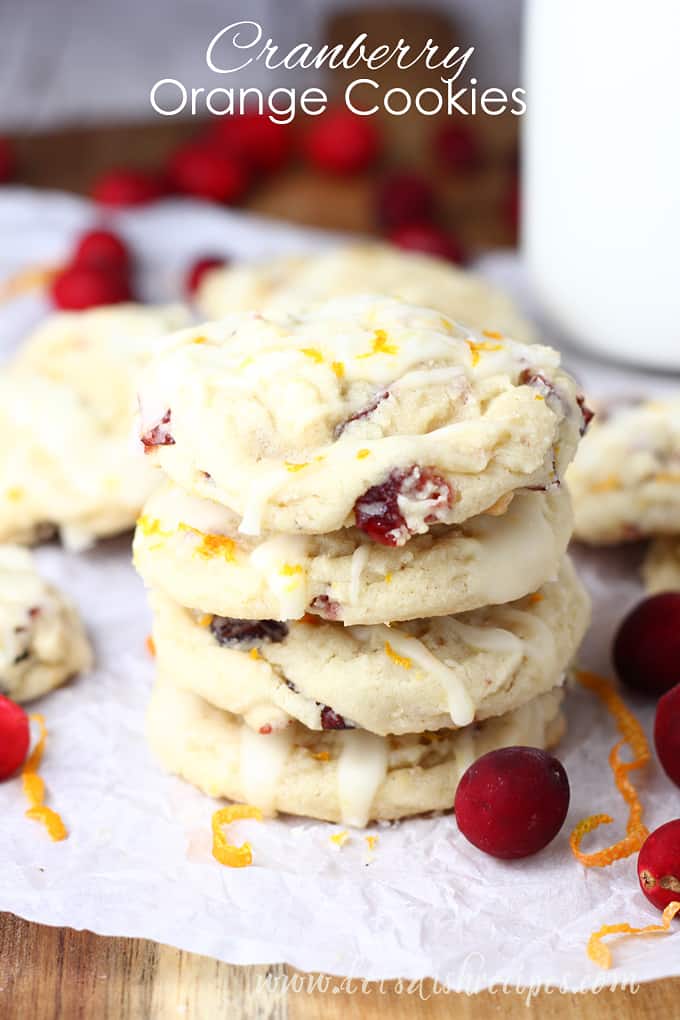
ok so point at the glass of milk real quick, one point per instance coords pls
(601, 177)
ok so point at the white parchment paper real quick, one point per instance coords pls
(138, 863)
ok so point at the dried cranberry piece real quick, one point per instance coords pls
(247, 634)
(363, 413)
(544, 386)
(331, 720)
(587, 414)
(326, 607)
(377, 511)
(159, 435)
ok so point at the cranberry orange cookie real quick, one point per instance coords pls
(277, 286)
(625, 480)
(364, 411)
(68, 403)
(345, 776)
(42, 639)
(661, 567)
(191, 549)
(421, 675)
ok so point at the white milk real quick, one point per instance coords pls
(601, 185)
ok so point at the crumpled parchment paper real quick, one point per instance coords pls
(424, 902)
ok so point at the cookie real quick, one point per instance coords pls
(279, 285)
(625, 479)
(661, 566)
(68, 403)
(43, 642)
(346, 776)
(421, 675)
(364, 411)
(191, 549)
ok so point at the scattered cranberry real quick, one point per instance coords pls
(647, 645)
(199, 269)
(378, 513)
(586, 413)
(77, 287)
(127, 187)
(326, 607)
(102, 249)
(331, 720)
(667, 733)
(457, 147)
(404, 198)
(429, 239)
(246, 634)
(255, 139)
(342, 143)
(15, 736)
(205, 172)
(659, 865)
(7, 164)
(159, 435)
(512, 802)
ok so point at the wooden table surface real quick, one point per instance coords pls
(60, 974)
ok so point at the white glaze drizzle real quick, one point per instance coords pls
(362, 767)
(262, 760)
(359, 561)
(281, 561)
(261, 491)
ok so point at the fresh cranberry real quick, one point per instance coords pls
(646, 649)
(15, 736)
(158, 435)
(127, 187)
(428, 239)
(457, 147)
(343, 143)
(102, 249)
(201, 170)
(404, 198)
(667, 733)
(247, 634)
(199, 269)
(82, 286)
(365, 412)
(659, 865)
(255, 139)
(512, 802)
(378, 513)
(7, 164)
(331, 720)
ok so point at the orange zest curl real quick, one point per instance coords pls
(26, 280)
(34, 788)
(601, 954)
(224, 851)
(633, 735)
(150, 645)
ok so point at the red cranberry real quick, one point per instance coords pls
(15, 736)
(647, 645)
(377, 511)
(326, 607)
(77, 287)
(255, 139)
(511, 803)
(343, 143)
(457, 147)
(659, 865)
(247, 634)
(7, 164)
(429, 239)
(127, 187)
(199, 269)
(404, 198)
(331, 720)
(102, 248)
(667, 733)
(201, 170)
(159, 435)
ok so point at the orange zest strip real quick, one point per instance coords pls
(31, 278)
(34, 788)
(633, 735)
(601, 954)
(150, 645)
(224, 851)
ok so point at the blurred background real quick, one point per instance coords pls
(75, 80)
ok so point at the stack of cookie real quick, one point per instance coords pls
(625, 483)
(357, 556)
